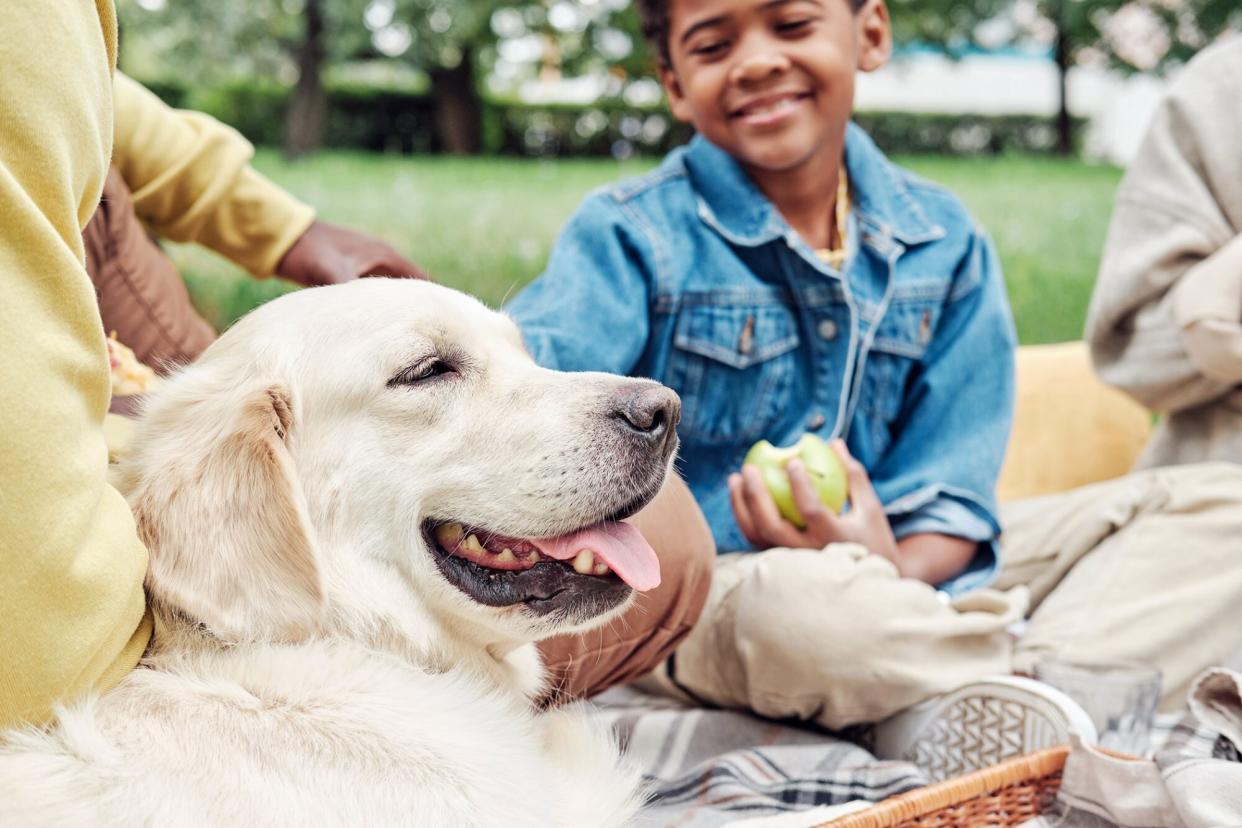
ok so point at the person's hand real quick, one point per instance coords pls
(328, 254)
(760, 521)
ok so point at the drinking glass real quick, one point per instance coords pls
(1120, 698)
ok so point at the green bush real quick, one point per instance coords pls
(968, 134)
(376, 118)
(173, 93)
(606, 127)
(379, 120)
(255, 108)
(359, 117)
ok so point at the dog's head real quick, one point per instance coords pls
(392, 441)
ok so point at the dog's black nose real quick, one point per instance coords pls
(651, 412)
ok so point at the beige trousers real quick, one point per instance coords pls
(1147, 567)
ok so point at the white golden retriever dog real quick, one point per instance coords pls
(363, 504)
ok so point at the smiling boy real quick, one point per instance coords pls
(784, 276)
(772, 84)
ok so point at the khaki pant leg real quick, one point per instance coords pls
(1146, 568)
(837, 637)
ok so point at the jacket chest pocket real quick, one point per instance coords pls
(733, 367)
(892, 365)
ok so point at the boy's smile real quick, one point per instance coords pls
(771, 82)
(772, 108)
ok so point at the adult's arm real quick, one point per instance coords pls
(191, 180)
(1165, 322)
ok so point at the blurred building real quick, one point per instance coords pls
(1016, 82)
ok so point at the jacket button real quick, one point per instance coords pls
(816, 421)
(828, 329)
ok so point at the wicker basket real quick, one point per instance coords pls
(1005, 795)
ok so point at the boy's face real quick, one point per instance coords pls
(771, 82)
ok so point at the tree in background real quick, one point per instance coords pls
(459, 44)
(465, 46)
(444, 39)
(304, 121)
(299, 41)
(1130, 35)
(218, 41)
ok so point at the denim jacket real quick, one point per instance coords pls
(690, 276)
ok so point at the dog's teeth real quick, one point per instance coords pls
(601, 569)
(584, 563)
(449, 534)
(472, 543)
(534, 556)
(506, 556)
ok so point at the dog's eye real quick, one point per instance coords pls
(423, 371)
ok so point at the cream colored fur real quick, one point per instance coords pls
(311, 666)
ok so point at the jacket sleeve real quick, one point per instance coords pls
(192, 182)
(939, 475)
(590, 309)
(1165, 321)
(71, 565)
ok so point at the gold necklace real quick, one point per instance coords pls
(834, 257)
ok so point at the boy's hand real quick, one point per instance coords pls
(328, 254)
(760, 521)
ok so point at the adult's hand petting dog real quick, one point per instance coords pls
(328, 254)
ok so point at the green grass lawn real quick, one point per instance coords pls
(486, 225)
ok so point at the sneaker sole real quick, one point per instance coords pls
(981, 724)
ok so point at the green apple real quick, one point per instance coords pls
(821, 462)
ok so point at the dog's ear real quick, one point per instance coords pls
(213, 488)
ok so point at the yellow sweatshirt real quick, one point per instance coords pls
(191, 181)
(72, 609)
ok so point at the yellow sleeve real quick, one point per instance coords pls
(71, 565)
(192, 182)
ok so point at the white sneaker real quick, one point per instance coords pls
(981, 724)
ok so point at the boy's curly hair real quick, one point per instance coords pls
(654, 17)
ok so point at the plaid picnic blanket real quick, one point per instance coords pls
(1178, 736)
(707, 768)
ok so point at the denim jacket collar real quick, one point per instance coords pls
(731, 204)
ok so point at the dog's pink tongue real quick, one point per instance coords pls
(619, 545)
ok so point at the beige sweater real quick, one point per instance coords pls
(1165, 321)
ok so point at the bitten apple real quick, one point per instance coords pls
(822, 465)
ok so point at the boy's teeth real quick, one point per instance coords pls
(584, 563)
(774, 106)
